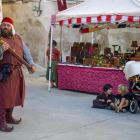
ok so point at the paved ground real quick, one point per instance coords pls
(67, 115)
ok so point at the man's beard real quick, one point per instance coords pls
(6, 34)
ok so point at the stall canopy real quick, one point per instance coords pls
(100, 14)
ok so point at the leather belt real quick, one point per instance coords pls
(18, 67)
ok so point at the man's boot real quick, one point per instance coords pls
(9, 117)
(3, 126)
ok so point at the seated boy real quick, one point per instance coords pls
(105, 99)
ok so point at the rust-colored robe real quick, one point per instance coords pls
(12, 91)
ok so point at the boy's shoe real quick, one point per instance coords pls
(116, 109)
(109, 108)
(124, 110)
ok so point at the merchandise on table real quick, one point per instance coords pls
(82, 44)
(89, 54)
(134, 44)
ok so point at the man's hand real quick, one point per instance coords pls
(5, 46)
(33, 69)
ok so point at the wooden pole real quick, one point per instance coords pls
(17, 56)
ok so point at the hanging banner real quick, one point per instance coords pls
(62, 5)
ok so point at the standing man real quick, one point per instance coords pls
(12, 86)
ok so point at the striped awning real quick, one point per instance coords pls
(101, 19)
(100, 12)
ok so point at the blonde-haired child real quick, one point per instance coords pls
(123, 98)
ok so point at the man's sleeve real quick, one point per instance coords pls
(1, 52)
(26, 55)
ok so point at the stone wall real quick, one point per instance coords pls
(122, 37)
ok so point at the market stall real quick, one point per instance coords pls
(90, 16)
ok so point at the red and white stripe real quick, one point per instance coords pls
(99, 19)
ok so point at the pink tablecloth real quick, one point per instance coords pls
(89, 79)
